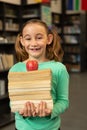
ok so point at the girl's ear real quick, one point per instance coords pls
(50, 39)
(21, 41)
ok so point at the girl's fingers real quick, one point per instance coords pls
(21, 112)
(41, 109)
(48, 112)
(32, 108)
(25, 110)
(28, 110)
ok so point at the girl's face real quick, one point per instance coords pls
(34, 40)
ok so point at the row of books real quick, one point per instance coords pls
(10, 25)
(73, 4)
(72, 58)
(75, 19)
(30, 13)
(56, 6)
(71, 39)
(8, 39)
(71, 49)
(73, 67)
(10, 12)
(72, 29)
(56, 18)
(37, 1)
(6, 61)
(76, 5)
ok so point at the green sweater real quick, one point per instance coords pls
(59, 92)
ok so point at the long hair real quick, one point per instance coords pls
(53, 51)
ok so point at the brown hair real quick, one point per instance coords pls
(53, 51)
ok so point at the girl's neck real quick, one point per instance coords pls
(39, 61)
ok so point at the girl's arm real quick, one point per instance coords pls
(62, 94)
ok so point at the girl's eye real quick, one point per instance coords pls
(39, 37)
(27, 38)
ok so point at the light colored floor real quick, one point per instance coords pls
(75, 118)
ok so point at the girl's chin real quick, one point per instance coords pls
(35, 56)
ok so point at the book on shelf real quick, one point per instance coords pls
(33, 1)
(17, 2)
(3, 40)
(73, 58)
(77, 4)
(73, 67)
(56, 19)
(34, 86)
(72, 49)
(69, 4)
(1, 64)
(7, 60)
(56, 6)
(11, 39)
(10, 12)
(1, 25)
(30, 13)
(2, 87)
(11, 26)
(75, 29)
(71, 39)
(73, 4)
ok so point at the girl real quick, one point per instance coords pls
(38, 42)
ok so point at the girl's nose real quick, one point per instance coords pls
(34, 42)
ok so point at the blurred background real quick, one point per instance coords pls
(70, 18)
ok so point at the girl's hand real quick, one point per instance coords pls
(28, 110)
(42, 109)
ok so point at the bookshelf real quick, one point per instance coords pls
(74, 35)
(9, 22)
(9, 28)
(36, 10)
(30, 11)
(6, 61)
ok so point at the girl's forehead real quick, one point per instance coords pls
(34, 27)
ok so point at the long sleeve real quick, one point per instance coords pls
(62, 92)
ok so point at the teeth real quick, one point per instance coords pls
(35, 49)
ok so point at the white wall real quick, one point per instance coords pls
(18, 2)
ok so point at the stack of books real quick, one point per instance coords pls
(33, 86)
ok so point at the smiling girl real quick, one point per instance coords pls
(37, 41)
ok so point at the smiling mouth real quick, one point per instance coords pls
(35, 49)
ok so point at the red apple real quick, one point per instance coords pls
(31, 65)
